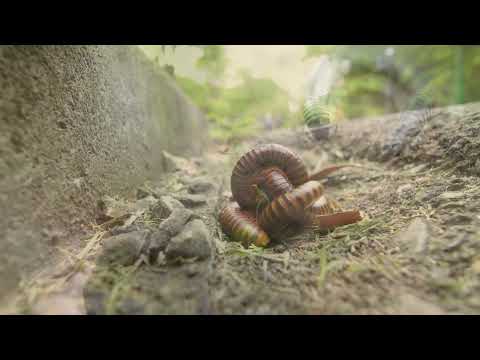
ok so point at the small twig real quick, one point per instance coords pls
(113, 222)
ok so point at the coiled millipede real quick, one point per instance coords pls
(277, 197)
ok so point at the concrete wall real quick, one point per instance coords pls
(77, 123)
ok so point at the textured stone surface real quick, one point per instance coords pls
(123, 249)
(192, 200)
(168, 228)
(192, 242)
(175, 222)
(165, 206)
(198, 186)
(78, 123)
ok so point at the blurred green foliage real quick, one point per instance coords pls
(373, 80)
(384, 79)
(213, 61)
(234, 112)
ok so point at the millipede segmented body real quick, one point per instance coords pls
(331, 221)
(325, 206)
(247, 170)
(242, 226)
(273, 182)
(276, 196)
(289, 208)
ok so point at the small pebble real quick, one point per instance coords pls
(165, 206)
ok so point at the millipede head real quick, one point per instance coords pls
(241, 226)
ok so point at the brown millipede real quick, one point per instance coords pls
(331, 221)
(325, 205)
(275, 169)
(276, 196)
(247, 170)
(241, 226)
(290, 208)
(273, 182)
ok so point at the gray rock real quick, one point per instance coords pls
(167, 229)
(145, 203)
(165, 206)
(171, 202)
(200, 186)
(193, 242)
(123, 249)
(158, 242)
(192, 200)
(176, 221)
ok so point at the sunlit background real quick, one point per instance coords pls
(249, 88)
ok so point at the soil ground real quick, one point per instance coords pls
(417, 251)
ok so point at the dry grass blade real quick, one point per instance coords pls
(46, 283)
(113, 222)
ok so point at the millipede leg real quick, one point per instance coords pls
(329, 222)
(327, 171)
